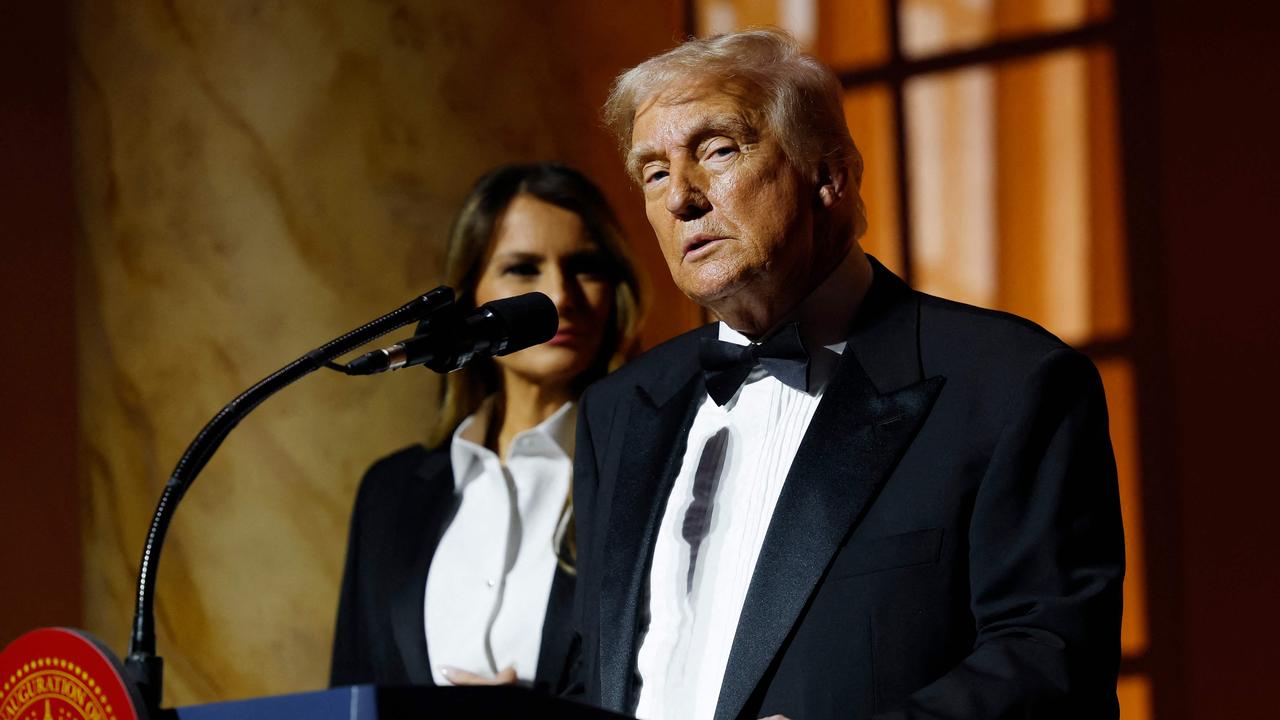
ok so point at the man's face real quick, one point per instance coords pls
(733, 216)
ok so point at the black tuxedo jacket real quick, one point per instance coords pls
(405, 502)
(947, 543)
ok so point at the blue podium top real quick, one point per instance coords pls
(357, 702)
(371, 702)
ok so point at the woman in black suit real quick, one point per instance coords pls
(460, 560)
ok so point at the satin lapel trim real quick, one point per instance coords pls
(553, 653)
(854, 441)
(422, 526)
(648, 454)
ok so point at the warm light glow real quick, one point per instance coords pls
(1134, 693)
(869, 112)
(930, 27)
(1117, 378)
(1064, 167)
(951, 141)
(1109, 261)
(1015, 196)
(798, 17)
(853, 34)
(1043, 192)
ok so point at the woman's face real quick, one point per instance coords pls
(541, 247)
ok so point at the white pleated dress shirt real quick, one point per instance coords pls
(490, 578)
(734, 467)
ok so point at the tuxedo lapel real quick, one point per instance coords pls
(646, 451)
(557, 632)
(421, 522)
(855, 439)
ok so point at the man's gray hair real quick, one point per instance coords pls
(799, 97)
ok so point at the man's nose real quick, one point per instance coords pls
(686, 195)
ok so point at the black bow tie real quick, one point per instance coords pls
(727, 365)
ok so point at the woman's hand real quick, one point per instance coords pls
(458, 676)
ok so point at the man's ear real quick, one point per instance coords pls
(833, 181)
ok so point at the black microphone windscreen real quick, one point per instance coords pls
(529, 319)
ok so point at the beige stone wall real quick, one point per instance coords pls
(254, 178)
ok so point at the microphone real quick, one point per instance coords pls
(449, 339)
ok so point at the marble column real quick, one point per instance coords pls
(254, 178)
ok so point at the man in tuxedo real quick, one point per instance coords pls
(846, 498)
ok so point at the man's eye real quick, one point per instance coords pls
(721, 151)
(654, 176)
(526, 269)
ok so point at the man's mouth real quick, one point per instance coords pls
(700, 245)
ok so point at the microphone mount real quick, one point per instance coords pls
(455, 336)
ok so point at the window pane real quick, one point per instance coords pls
(951, 161)
(852, 34)
(930, 27)
(1117, 378)
(1062, 256)
(1015, 191)
(869, 112)
(1134, 693)
(799, 17)
(1043, 192)
(1109, 260)
(842, 33)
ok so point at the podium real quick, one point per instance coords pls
(371, 702)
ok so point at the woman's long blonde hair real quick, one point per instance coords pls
(470, 245)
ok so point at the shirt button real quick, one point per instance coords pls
(490, 583)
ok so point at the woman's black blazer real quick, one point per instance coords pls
(405, 502)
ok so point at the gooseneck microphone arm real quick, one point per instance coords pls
(144, 667)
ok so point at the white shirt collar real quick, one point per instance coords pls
(827, 312)
(551, 437)
(728, 334)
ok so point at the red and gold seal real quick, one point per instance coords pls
(60, 674)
